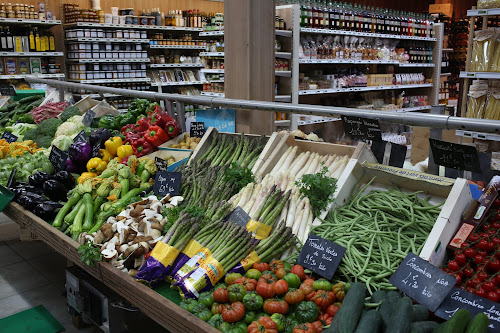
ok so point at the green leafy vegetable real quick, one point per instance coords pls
(89, 253)
(240, 176)
(319, 188)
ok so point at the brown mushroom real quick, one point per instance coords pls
(107, 230)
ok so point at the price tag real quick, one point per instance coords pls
(88, 117)
(167, 183)
(7, 90)
(197, 129)
(321, 256)
(423, 282)
(455, 156)
(161, 164)
(96, 148)
(9, 137)
(238, 216)
(58, 158)
(460, 299)
(358, 128)
(82, 136)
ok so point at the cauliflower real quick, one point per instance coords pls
(67, 129)
(62, 142)
(77, 120)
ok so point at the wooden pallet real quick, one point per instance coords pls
(154, 305)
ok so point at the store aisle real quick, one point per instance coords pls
(31, 273)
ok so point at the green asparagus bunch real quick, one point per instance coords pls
(280, 239)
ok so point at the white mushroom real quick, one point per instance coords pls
(165, 199)
(157, 206)
(99, 238)
(130, 249)
(81, 238)
(89, 238)
(155, 233)
(176, 200)
(144, 227)
(150, 213)
(109, 254)
(123, 248)
(166, 206)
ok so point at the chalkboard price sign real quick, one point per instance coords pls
(238, 216)
(197, 129)
(88, 117)
(455, 156)
(96, 148)
(58, 158)
(161, 164)
(425, 283)
(358, 128)
(460, 299)
(321, 256)
(9, 137)
(7, 90)
(82, 136)
(167, 183)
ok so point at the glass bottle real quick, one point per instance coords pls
(3, 40)
(303, 15)
(32, 47)
(10, 41)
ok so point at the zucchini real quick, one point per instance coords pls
(378, 296)
(370, 322)
(456, 324)
(420, 313)
(402, 316)
(478, 324)
(12, 106)
(28, 99)
(423, 326)
(386, 309)
(352, 306)
(393, 296)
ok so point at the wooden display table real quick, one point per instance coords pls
(152, 304)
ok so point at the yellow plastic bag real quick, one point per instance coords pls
(493, 107)
(476, 104)
(483, 50)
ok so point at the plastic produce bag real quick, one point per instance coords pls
(487, 4)
(476, 104)
(483, 50)
(202, 278)
(190, 265)
(493, 106)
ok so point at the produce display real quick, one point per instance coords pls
(237, 273)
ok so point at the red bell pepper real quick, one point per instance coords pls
(129, 128)
(131, 137)
(156, 136)
(172, 128)
(158, 117)
(142, 147)
(143, 124)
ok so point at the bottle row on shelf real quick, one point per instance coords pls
(359, 48)
(106, 71)
(105, 55)
(26, 40)
(105, 34)
(355, 17)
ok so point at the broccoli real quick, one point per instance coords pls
(31, 134)
(26, 118)
(70, 112)
(49, 127)
(43, 141)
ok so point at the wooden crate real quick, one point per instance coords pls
(455, 192)
(206, 141)
(154, 305)
(181, 156)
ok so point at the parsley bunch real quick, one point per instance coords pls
(319, 188)
(89, 253)
(238, 175)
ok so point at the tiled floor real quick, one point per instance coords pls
(31, 274)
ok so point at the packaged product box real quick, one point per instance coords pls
(35, 65)
(24, 66)
(10, 66)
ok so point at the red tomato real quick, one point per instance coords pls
(233, 312)
(273, 305)
(460, 258)
(478, 259)
(480, 292)
(220, 295)
(494, 265)
(294, 296)
(281, 287)
(317, 325)
(261, 266)
(299, 271)
(324, 298)
(469, 252)
(332, 310)
(489, 285)
(468, 272)
(453, 266)
(265, 290)
(304, 328)
(493, 296)
(483, 276)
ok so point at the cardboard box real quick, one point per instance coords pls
(181, 156)
(445, 8)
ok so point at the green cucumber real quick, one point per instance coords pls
(28, 99)
(386, 309)
(393, 296)
(423, 326)
(456, 324)
(378, 296)
(402, 316)
(352, 306)
(478, 324)
(370, 322)
(420, 313)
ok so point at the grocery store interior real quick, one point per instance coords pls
(296, 166)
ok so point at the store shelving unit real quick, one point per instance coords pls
(23, 76)
(8, 21)
(109, 40)
(291, 14)
(176, 65)
(169, 84)
(178, 47)
(467, 75)
(119, 60)
(104, 81)
(128, 26)
(31, 54)
(211, 94)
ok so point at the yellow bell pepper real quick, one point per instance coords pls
(124, 151)
(86, 175)
(112, 144)
(105, 155)
(96, 165)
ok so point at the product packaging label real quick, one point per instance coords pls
(202, 279)
(158, 264)
(245, 264)
(195, 261)
(260, 230)
(164, 253)
(189, 251)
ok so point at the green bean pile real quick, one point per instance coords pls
(378, 229)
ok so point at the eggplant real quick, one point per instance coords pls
(65, 178)
(30, 200)
(47, 210)
(39, 178)
(71, 166)
(19, 190)
(80, 152)
(99, 136)
(55, 190)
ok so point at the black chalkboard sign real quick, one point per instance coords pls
(88, 117)
(96, 148)
(197, 129)
(395, 157)
(167, 183)
(238, 216)
(455, 156)
(58, 158)
(358, 128)
(7, 90)
(425, 283)
(321, 256)
(9, 137)
(161, 164)
(82, 136)
(460, 299)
